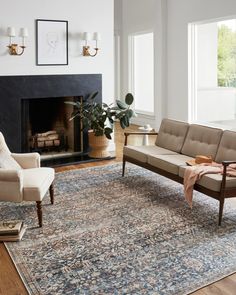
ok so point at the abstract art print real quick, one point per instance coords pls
(51, 42)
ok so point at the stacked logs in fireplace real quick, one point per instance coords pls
(49, 141)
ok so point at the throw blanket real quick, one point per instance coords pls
(194, 173)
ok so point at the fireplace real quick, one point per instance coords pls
(47, 128)
(32, 106)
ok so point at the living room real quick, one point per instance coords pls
(104, 233)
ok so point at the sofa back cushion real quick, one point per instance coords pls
(202, 140)
(172, 134)
(227, 147)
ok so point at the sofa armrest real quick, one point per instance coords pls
(11, 185)
(27, 160)
(227, 163)
(224, 174)
(138, 133)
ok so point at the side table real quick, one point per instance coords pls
(145, 128)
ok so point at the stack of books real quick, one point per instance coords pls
(11, 231)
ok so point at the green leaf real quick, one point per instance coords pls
(98, 132)
(126, 121)
(108, 130)
(92, 95)
(130, 113)
(122, 124)
(115, 108)
(74, 115)
(129, 98)
(121, 104)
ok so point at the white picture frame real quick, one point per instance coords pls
(51, 42)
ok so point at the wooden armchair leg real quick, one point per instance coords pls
(40, 213)
(123, 168)
(51, 191)
(221, 210)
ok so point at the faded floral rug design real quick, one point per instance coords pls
(112, 235)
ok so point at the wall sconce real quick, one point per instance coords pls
(86, 48)
(13, 47)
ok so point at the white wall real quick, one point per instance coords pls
(138, 16)
(207, 55)
(179, 14)
(82, 16)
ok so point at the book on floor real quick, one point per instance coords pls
(12, 230)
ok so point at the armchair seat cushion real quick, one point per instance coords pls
(141, 153)
(169, 163)
(212, 181)
(36, 182)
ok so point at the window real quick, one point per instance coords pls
(213, 73)
(142, 72)
(227, 53)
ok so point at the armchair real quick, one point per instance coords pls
(22, 178)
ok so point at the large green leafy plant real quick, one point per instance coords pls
(100, 117)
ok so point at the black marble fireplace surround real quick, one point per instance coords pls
(14, 89)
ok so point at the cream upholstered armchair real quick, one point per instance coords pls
(22, 178)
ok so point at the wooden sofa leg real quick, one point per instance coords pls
(40, 213)
(123, 168)
(221, 210)
(51, 191)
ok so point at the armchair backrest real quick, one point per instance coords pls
(3, 145)
(6, 160)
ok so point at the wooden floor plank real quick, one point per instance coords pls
(10, 282)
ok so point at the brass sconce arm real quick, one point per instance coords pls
(87, 53)
(14, 49)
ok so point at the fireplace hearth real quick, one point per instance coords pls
(34, 105)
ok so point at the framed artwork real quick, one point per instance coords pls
(51, 42)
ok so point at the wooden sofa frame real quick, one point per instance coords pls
(220, 196)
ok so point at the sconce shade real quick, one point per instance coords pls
(11, 32)
(24, 32)
(87, 36)
(97, 36)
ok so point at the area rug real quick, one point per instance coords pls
(108, 234)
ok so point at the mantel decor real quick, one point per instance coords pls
(51, 42)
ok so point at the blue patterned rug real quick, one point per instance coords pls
(112, 235)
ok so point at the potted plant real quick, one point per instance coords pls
(99, 120)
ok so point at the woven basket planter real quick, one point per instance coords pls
(98, 146)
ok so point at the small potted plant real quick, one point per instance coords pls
(99, 118)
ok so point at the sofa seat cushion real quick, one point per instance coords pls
(36, 182)
(172, 134)
(201, 140)
(212, 181)
(169, 163)
(141, 153)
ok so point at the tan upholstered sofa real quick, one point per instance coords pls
(178, 142)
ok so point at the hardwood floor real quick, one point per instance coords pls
(10, 282)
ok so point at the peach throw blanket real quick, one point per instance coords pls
(193, 173)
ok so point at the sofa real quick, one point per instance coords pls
(178, 142)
